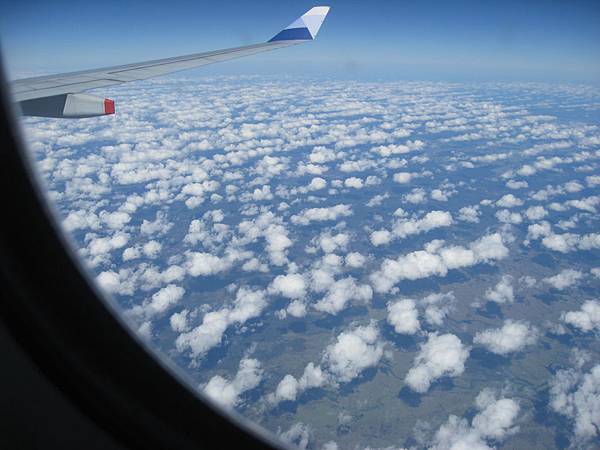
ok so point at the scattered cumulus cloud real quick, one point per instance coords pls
(403, 316)
(248, 304)
(354, 351)
(576, 395)
(319, 199)
(512, 337)
(441, 356)
(436, 260)
(502, 292)
(321, 214)
(494, 422)
(587, 319)
(228, 392)
(564, 279)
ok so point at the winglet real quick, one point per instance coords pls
(305, 28)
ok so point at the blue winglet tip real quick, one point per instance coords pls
(293, 34)
(305, 28)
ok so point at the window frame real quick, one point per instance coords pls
(52, 308)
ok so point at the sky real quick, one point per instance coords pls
(440, 40)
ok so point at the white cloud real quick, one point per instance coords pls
(254, 265)
(437, 261)
(469, 214)
(330, 243)
(538, 230)
(321, 279)
(127, 281)
(80, 219)
(437, 307)
(205, 336)
(165, 298)
(341, 292)
(416, 196)
(528, 281)
(576, 395)
(404, 177)
(354, 351)
(380, 237)
(270, 166)
(585, 204)
(296, 308)
(493, 423)
(289, 388)
(536, 212)
(552, 191)
(592, 180)
(355, 260)
(586, 319)
(321, 155)
(503, 291)
(312, 169)
(109, 281)
(405, 227)
(398, 149)
(248, 304)
(399, 212)
(566, 278)
(509, 201)
(278, 243)
(151, 249)
(298, 435)
(317, 184)
(442, 355)
(292, 286)
(353, 182)
(403, 316)
(99, 248)
(432, 220)
(512, 337)
(564, 243)
(227, 393)
(270, 227)
(261, 194)
(179, 321)
(145, 331)
(513, 184)
(159, 226)
(506, 216)
(115, 220)
(205, 264)
(377, 200)
(200, 232)
(442, 195)
(131, 253)
(321, 214)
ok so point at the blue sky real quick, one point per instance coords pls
(441, 40)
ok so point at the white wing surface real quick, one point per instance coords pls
(60, 95)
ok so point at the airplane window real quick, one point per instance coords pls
(385, 238)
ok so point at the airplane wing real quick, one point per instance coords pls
(61, 95)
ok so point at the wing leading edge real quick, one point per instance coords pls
(59, 95)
